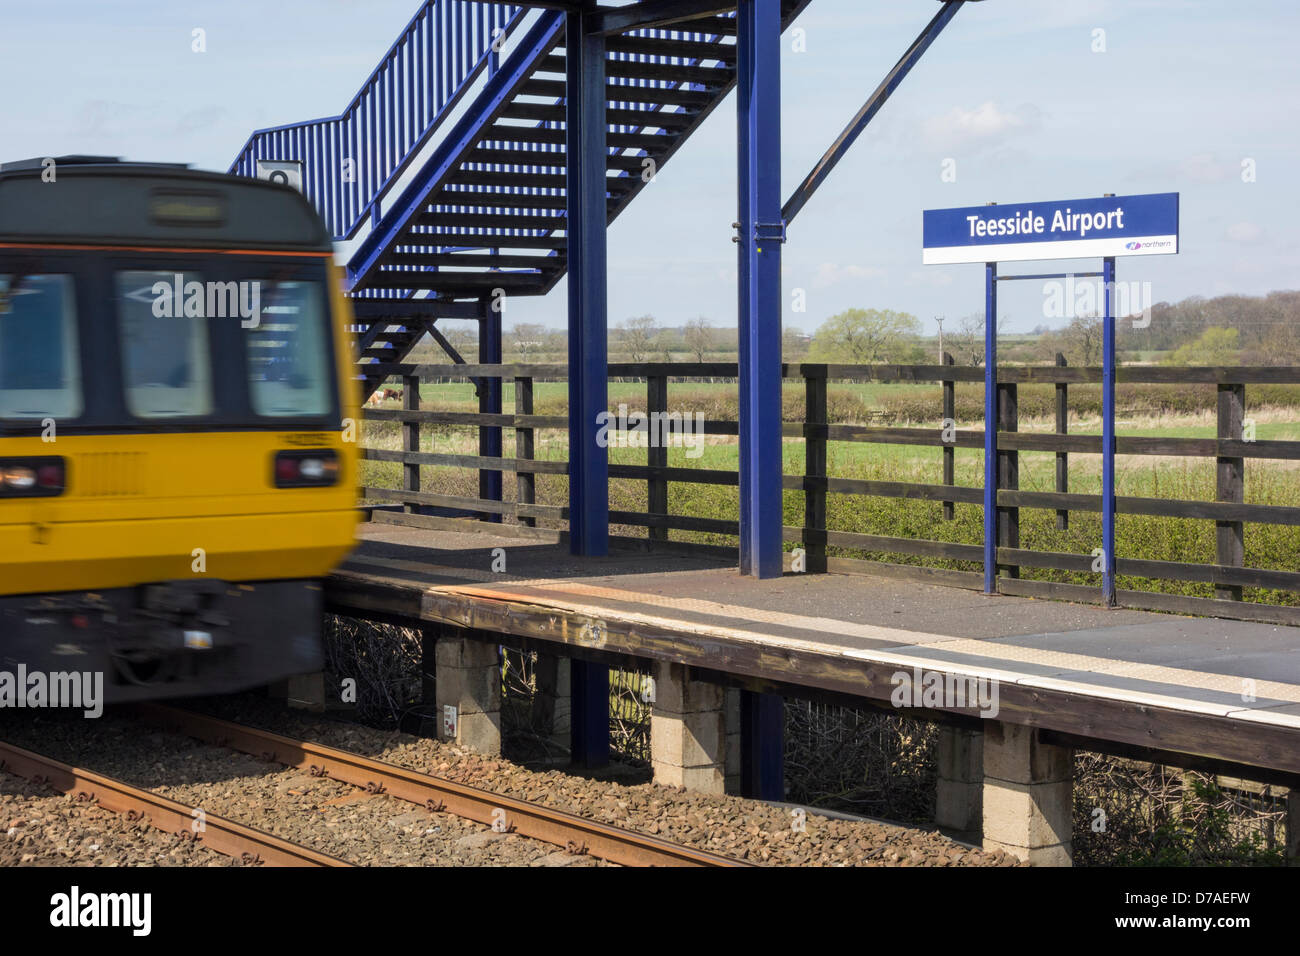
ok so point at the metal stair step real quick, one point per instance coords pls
(493, 178)
(460, 283)
(476, 259)
(478, 240)
(522, 157)
(626, 92)
(458, 220)
(687, 49)
(523, 202)
(715, 76)
(541, 134)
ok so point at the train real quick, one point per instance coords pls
(178, 414)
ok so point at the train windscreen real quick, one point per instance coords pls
(166, 358)
(40, 374)
(288, 351)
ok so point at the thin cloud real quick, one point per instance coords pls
(1245, 232)
(1206, 168)
(986, 124)
(832, 273)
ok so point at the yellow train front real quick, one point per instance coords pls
(177, 451)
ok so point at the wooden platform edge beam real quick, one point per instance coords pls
(1150, 728)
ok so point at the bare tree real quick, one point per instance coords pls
(527, 339)
(638, 336)
(463, 339)
(966, 342)
(460, 336)
(698, 337)
(1083, 340)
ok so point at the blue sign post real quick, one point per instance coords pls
(1108, 226)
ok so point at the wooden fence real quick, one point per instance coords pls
(1229, 511)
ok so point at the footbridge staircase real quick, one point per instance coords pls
(444, 179)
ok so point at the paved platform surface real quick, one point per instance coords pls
(1146, 679)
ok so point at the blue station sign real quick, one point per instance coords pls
(1144, 225)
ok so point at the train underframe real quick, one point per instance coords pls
(167, 639)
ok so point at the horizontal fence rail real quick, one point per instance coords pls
(822, 547)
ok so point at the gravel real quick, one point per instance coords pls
(732, 826)
(326, 815)
(44, 829)
(375, 829)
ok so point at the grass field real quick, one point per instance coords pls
(1153, 538)
(460, 396)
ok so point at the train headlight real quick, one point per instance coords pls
(19, 478)
(314, 468)
(31, 477)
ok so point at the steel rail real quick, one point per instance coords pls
(217, 833)
(568, 830)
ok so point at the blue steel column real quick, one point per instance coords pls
(758, 112)
(589, 712)
(588, 335)
(762, 746)
(588, 355)
(990, 426)
(489, 441)
(1108, 435)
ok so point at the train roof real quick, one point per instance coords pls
(102, 201)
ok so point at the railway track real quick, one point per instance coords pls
(215, 832)
(506, 814)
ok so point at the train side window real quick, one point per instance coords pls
(166, 361)
(289, 366)
(40, 369)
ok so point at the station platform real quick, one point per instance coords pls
(1121, 681)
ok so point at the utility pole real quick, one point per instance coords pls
(939, 319)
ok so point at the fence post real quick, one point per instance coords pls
(489, 403)
(410, 439)
(1008, 474)
(814, 497)
(525, 481)
(1229, 543)
(949, 450)
(1062, 458)
(656, 387)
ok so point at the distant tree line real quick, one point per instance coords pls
(1226, 330)
(1267, 327)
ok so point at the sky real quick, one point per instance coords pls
(1029, 100)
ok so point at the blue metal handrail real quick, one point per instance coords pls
(438, 76)
(470, 125)
(348, 160)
